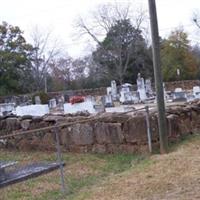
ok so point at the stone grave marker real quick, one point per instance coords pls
(114, 90)
(6, 108)
(107, 101)
(179, 95)
(37, 100)
(148, 87)
(141, 88)
(196, 92)
(52, 103)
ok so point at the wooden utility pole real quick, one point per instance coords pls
(158, 78)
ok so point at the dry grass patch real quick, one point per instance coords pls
(81, 171)
(175, 176)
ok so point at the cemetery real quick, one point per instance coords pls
(113, 99)
(98, 102)
(121, 121)
(100, 123)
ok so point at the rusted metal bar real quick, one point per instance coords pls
(148, 129)
(59, 160)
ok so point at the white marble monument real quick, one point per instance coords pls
(114, 90)
(148, 88)
(141, 88)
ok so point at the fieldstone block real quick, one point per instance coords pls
(108, 133)
(128, 148)
(172, 124)
(25, 124)
(112, 148)
(79, 149)
(99, 148)
(2, 124)
(82, 134)
(27, 117)
(66, 136)
(12, 123)
(135, 130)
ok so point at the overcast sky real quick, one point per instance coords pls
(58, 16)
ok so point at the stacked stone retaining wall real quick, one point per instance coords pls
(108, 133)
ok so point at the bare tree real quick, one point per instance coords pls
(61, 72)
(106, 15)
(103, 20)
(45, 50)
(196, 19)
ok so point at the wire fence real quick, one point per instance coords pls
(56, 131)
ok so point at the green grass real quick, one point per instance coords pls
(82, 171)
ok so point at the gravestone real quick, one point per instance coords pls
(135, 97)
(126, 96)
(6, 108)
(52, 103)
(99, 108)
(179, 95)
(196, 92)
(148, 87)
(141, 88)
(108, 90)
(61, 101)
(114, 90)
(37, 100)
(12, 99)
(107, 101)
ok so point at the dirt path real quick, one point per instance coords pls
(175, 176)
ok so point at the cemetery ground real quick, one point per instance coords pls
(174, 176)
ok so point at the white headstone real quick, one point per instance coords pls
(37, 100)
(125, 88)
(114, 90)
(179, 95)
(61, 101)
(148, 87)
(33, 110)
(108, 101)
(196, 92)
(141, 88)
(52, 103)
(109, 90)
(6, 108)
(178, 90)
(79, 107)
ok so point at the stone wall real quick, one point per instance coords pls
(186, 85)
(108, 133)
